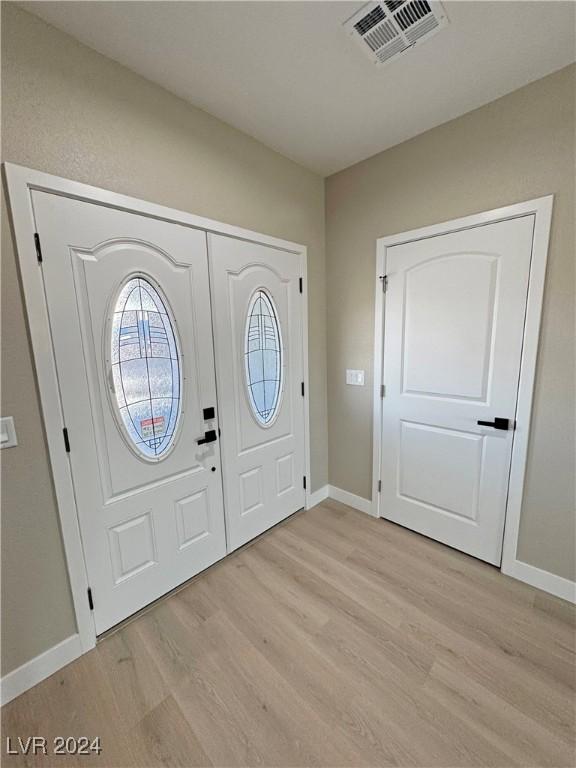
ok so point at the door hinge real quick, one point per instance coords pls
(66, 440)
(38, 247)
(382, 390)
(302, 387)
(304, 482)
(379, 486)
(90, 599)
(384, 279)
(301, 284)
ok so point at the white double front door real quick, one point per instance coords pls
(159, 432)
(453, 330)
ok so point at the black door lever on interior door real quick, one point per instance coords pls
(498, 423)
(209, 437)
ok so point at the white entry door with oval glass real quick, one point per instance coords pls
(453, 331)
(129, 309)
(258, 320)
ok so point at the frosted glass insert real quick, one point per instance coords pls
(145, 368)
(263, 357)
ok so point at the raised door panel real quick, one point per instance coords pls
(448, 329)
(454, 317)
(440, 469)
(129, 307)
(100, 275)
(257, 311)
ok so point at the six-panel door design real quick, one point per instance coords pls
(130, 317)
(454, 322)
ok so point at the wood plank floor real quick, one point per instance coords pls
(333, 640)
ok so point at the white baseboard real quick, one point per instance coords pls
(530, 574)
(356, 502)
(544, 580)
(315, 497)
(39, 668)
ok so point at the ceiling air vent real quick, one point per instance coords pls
(388, 28)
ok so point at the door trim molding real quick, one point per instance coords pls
(541, 208)
(21, 182)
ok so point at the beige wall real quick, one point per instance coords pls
(69, 111)
(516, 148)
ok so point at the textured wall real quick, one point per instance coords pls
(516, 148)
(68, 111)
(71, 112)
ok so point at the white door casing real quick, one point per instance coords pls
(21, 184)
(146, 526)
(264, 463)
(22, 181)
(453, 331)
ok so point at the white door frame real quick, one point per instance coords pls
(21, 182)
(542, 209)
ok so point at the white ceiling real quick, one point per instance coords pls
(287, 74)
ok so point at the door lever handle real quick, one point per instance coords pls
(498, 423)
(209, 437)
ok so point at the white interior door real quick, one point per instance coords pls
(129, 308)
(257, 311)
(454, 320)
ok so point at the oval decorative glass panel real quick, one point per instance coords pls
(263, 357)
(145, 368)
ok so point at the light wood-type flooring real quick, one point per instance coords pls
(333, 640)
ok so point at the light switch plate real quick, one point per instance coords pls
(8, 437)
(356, 378)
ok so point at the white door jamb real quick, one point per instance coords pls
(542, 210)
(21, 182)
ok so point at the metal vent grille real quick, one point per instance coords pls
(391, 50)
(423, 28)
(411, 13)
(389, 28)
(370, 20)
(379, 37)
